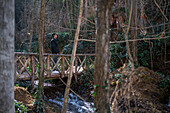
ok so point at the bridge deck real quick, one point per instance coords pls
(53, 75)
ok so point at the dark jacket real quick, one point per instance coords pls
(54, 46)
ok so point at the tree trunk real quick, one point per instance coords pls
(72, 60)
(40, 98)
(32, 25)
(101, 82)
(85, 16)
(134, 31)
(7, 29)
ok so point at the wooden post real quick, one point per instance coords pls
(62, 66)
(33, 70)
(15, 74)
(48, 66)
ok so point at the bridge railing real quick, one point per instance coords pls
(55, 65)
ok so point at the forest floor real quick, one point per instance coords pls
(25, 98)
(140, 90)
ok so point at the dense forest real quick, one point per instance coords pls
(84, 56)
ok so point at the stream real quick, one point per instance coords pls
(169, 102)
(75, 104)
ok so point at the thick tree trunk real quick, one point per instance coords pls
(7, 56)
(40, 98)
(101, 100)
(72, 60)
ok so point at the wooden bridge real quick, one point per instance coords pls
(55, 66)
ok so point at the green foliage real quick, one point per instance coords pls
(118, 55)
(164, 83)
(25, 84)
(87, 79)
(143, 53)
(165, 86)
(146, 49)
(39, 103)
(82, 47)
(84, 84)
(20, 108)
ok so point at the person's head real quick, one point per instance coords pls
(54, 35)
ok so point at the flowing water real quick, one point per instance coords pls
(75, 105)
(169, 102)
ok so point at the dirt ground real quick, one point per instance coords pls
(22, 95)
(140, 91)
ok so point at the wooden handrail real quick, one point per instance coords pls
(46, 54)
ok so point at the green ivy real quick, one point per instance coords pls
(20, 108)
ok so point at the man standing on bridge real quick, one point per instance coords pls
(54, 46)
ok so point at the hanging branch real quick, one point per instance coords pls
(72, 59)
(160, 10)
(123, 41)
(126, 38)
(88, 20)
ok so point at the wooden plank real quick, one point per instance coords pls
(24, 66)
(46, 54)
(55, 66)
(26, 77)
(25, 53)
(48, 66)
(62, 66)
(33, 70)
(82, 63)
(67, 61)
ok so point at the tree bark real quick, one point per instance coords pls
(85, 16)
(7, 29)
(134, 31)
(32, 25)
(101, 82)
(72, 59)
(40, 98)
